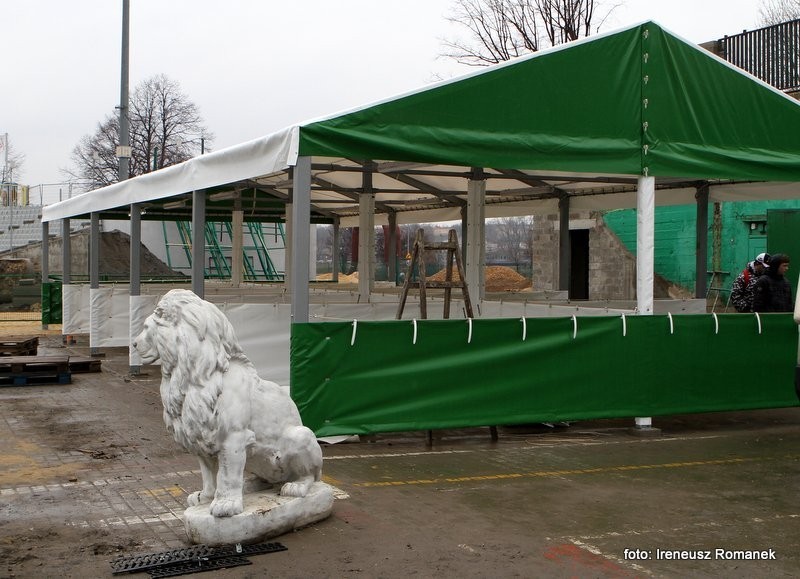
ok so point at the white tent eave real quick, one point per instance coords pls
(262, 156)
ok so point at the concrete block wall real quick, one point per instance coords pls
(544, 253)
(612, 268)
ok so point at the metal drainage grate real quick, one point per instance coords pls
(255, 549)
(199, 566)
(137, 563)
(191, 559)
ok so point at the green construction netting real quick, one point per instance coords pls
(589, 106)
(51, 303)
(613, 367)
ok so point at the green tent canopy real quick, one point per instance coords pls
(640, 101)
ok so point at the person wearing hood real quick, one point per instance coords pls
(743, 285)
(772, 292)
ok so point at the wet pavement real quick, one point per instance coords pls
(88, 472)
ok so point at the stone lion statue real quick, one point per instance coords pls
(217, 407)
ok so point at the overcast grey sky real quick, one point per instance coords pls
(251, 66)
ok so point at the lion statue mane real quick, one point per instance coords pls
(218, 408)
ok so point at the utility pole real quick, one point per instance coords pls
(4, 145)
(124, 148)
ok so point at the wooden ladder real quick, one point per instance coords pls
(418, 260)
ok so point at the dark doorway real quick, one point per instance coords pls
(579, 260)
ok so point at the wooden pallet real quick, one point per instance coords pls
(29, 370)
(78, 364)
(19, 346)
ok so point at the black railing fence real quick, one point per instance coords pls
(771, 54)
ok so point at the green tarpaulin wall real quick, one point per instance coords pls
(613, 367)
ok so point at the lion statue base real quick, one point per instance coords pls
(219, 409)
(266, 514)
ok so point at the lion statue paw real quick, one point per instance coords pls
(226, 507)
(218, 408)
(297, 489)
(197, 498)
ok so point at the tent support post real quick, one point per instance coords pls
(701, 242)
(66, 252)
(45, 260)
(300, 238)
(645, 244)
(366, 236)
(66, 273)
(237, 241)
(94, 280)
(645, 254)
(476, 235)
(287, 259)
(391, 249)
(464, 233)
(198, 242)
(135, 281)
(564, 246)
(337, 236)
(136, 251)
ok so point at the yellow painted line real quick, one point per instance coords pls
(173, 491)
(551, 473)
(330, 480)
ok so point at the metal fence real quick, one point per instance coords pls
(20, 297)
(771, 54)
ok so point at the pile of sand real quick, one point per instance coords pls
(352, 278)
(498, 279)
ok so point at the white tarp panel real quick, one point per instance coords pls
(251, 159)
(109, 316)
(140, 308)
(74, 309)
(263, 331)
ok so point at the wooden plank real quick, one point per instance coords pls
(19, 346)
(79, 364)
(438, 284)
(33, 364)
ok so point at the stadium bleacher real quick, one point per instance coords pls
(20, 226)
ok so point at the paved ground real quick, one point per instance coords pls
(88, 472)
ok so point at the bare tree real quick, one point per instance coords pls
(566, 20)
(166, 129)
(514, 237)
(777, 11)
(12, 161)
(498, 30)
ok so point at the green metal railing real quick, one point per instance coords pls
(219, 265)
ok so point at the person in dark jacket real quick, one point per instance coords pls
(772, 292)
